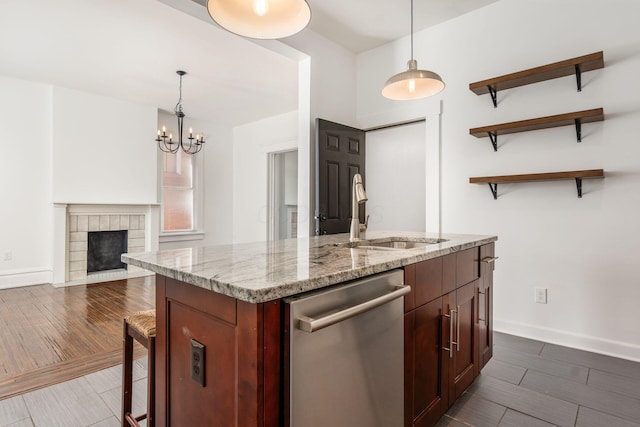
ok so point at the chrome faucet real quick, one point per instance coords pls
(358, 197)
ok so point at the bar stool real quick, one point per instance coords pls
(140, 326)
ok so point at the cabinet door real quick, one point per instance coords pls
(485, 303)
(426, 389)
(464, 366)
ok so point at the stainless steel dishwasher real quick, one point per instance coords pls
(346, 354)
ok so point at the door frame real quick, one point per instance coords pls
(273, 192)
(430, 111)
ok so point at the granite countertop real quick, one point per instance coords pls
(265, 271)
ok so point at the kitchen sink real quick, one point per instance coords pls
(393, 244)
(398, 244)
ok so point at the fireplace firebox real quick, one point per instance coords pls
(104, 250)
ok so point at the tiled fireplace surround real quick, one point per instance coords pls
(79, 227)
(80, 219)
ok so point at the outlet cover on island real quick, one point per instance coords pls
(8, 256)
(541, 295)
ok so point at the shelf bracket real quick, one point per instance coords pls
(494, 189)
(494, 96)
(578, 130)
(578, 77)
(493, 136)
(579, 187)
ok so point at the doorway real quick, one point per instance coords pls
(395, 165)
(283, 195)
(396, 173)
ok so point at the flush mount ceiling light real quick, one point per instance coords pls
(194, 145)
(260, 19)
(413, 83)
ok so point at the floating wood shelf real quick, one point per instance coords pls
(556, 70)
(576, 118)
(493, 181)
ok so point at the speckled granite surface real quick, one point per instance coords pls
(264, 271)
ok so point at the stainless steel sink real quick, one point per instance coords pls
(394, 244)
(399, 244)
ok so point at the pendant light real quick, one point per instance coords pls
(260, 19)
(413, 83)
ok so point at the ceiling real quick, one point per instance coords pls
(131, 49)
(361, 25)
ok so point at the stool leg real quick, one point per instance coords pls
(127, 375)
(151, 384)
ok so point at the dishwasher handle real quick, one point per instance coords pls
(309, 324)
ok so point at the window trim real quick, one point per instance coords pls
(197, 233)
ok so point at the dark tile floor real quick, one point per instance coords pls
(526, 384)
(534, 384)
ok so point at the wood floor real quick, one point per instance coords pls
(535, 384)
(49, 335)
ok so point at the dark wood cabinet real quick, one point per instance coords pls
(448, 330)
(427, 397)
(485, 303)
(464, 364)
(242, 358)
(448, 338)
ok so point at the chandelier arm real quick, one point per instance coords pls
(167, 149)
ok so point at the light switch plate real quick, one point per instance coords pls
(541, 295)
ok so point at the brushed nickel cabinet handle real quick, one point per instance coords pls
(457, 328)
(489, 259)
(451, 342)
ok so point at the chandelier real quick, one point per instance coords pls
(166, 142)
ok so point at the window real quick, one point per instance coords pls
(178, 192)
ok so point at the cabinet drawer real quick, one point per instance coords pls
(428, 285)
(467, 266)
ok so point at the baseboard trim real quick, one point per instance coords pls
(17, 279)
(590, 343)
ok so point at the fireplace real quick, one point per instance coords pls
(104, 250)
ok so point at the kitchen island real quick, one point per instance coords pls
(230, 300)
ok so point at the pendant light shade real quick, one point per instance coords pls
(260, 19)
(413, 83)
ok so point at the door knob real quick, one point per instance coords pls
(320, 217)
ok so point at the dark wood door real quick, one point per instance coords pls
(485, 303)
(464, 366)
(340, 154)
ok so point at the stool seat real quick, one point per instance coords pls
(144, 322)
(140, 326)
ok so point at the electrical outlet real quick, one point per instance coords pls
(8, 256)
(197, 362)
(541, 295)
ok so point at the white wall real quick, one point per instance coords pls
(103, 149)
(583, 250)
(25, 192)
(328, 87)
(74, 147)
(395, 161)
(251, 144)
